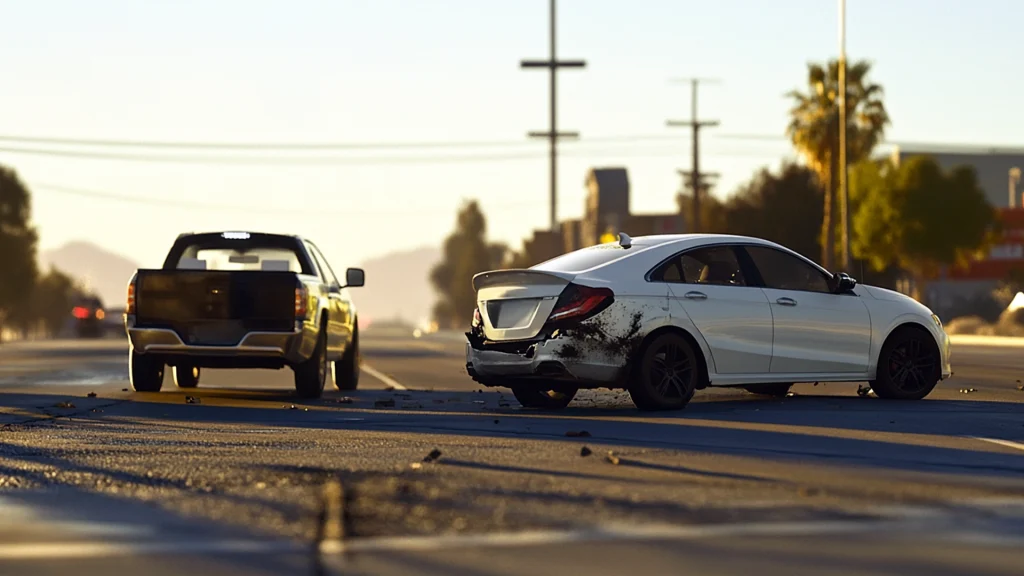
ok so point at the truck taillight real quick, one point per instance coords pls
(129, 307)
(301, 299)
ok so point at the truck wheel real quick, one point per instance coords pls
(186, 376)
(346, 370)
(311, 374)
(145, 372)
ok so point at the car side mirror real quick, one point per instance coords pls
(354, 277)
(845, 283)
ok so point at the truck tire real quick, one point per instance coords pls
(186, 376)
(311, 374)
(146, 373)
(346, 369)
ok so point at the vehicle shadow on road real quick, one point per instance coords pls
(794, 429)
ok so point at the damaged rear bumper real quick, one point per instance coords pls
(492, 364)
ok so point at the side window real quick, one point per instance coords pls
(783, 271)
(322, 264)
(716, 265)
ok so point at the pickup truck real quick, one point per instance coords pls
(243, 300)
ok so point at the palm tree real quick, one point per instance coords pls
(814, 129)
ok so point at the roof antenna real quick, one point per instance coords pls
(624, 240)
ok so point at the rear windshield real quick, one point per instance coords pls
(584, 259)
(269, 253)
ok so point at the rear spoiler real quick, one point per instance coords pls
(520, 277)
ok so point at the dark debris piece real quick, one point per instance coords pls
(968, 390)
(91, 394)
(434, 455)
(863, 391)
(388, 403)
(585, 452)
(578, 434)
(65, 405)
(192, 400)
(344, 400)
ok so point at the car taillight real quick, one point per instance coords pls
(100, 314)
(301, 299)
(80, 312)
(129, 307)
(577, 303)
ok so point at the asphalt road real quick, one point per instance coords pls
(95, 479)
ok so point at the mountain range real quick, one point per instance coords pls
(397, 285)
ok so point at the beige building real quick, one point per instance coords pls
(605, 211)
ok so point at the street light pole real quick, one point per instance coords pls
(844, 197)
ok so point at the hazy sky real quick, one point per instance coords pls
(448, 71)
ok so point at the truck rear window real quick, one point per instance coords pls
(256, 253)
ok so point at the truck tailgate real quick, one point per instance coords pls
(215, 308)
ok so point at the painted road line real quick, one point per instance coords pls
(1007, 443)
(387, 380)
(66, 550)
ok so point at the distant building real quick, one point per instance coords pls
(998, 173)
(605, 213)
(995, 168)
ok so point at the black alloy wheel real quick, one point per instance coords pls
(145, 372)
(667, 374)
(908, 366)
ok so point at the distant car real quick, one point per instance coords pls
(243, 300)
(663, 316)
(89, 316)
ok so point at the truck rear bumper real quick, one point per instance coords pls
(288, 347)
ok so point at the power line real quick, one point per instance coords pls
(191, 205)
(299, 146)
(356, 161)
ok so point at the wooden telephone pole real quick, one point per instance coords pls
(553, 135)
(698, 181)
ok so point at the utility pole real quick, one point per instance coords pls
(699, 181)
(553, 135)
(844, 196)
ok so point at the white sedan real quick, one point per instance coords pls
(664, 316)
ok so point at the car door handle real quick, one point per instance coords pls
(695, 296)
(786, 302)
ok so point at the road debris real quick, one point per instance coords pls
(1020, 386)
(124, 389)
(91, 394)
(496, 421)
(65, 405)
(968, 390)
(415, 465)
(344, 400)
(863, 391)
(612, 458)
(433, 456)
(578, 434)
(386, 403)
(192, 400)
(389, 388)
(584, 452)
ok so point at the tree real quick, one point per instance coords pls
(52, 300)
(466, 252)
(814, 130)
(919, 217)
(18, 240)
(784, 208)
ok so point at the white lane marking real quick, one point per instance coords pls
(30, 551)
(64, 550)
(1007, 443)
(387, 380)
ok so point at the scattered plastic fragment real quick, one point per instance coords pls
(65, 405)
(434, 455)
(192, 400)
(585, 452)
(612, 458)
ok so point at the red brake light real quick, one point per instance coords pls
(129, 307)
(80, 312)
(581, 302)
(301, 299)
